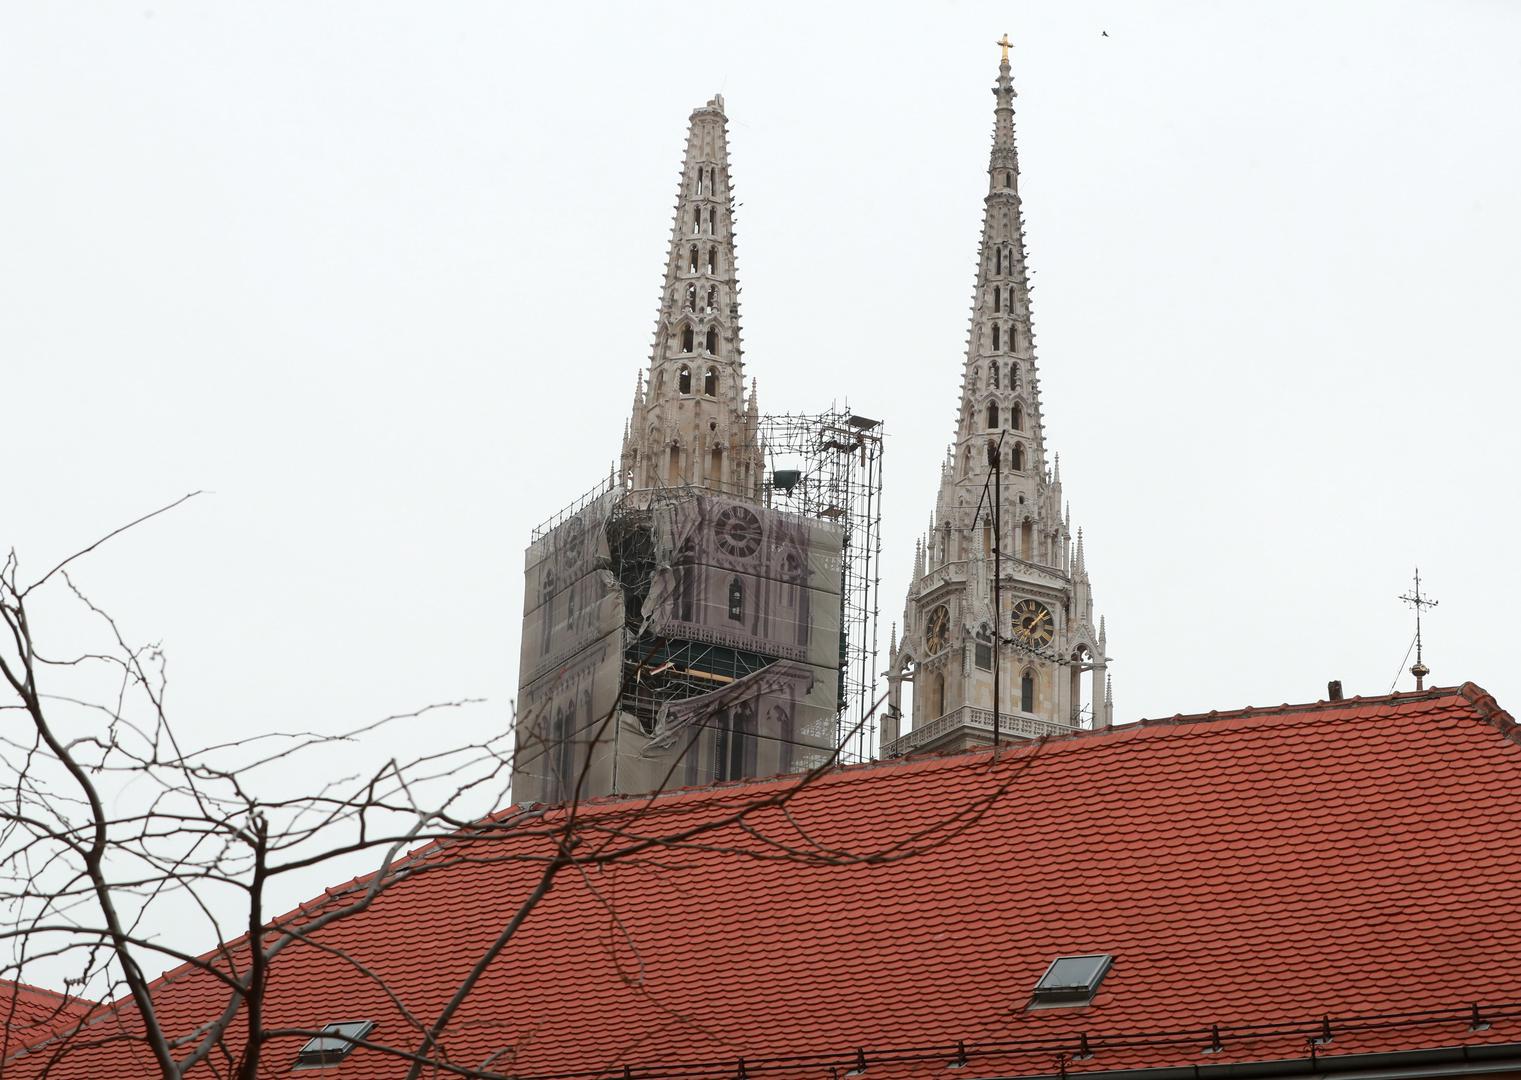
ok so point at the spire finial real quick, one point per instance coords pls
(1006, 45)
(1419, 602)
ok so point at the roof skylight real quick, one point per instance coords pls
(333, 1044)
(1071, 980)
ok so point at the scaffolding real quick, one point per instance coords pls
(677, 631)
(659, 670)
(828, 466)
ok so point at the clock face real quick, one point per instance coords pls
(1033, 624)
(738, 532)
(937, 629)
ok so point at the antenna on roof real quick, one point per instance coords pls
(1417, 601)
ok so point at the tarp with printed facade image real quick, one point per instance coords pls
(570, 596)
(763, 581)
(564, 708)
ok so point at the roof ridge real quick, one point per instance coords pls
(1247, 712)
(1486, 706)
(48, 991)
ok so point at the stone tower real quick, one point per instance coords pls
(1043, 640)
(692, 425)
(676, 628)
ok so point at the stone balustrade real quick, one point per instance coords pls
(1012, 725)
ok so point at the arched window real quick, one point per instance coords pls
(694, 259)
(993, 374)
(992, 416)
(684, 380)
(699, 181)
(1008, 179)
(1027, 692)
(998, 261)
(691, 297)
(712, 220)
(992, 454)
(997, 299)
(976, 378)
(1014, 375)
(983, 648)
(1017, 419)
(736, 599)
(1019, 456)
(688, 340)
(712, 297)
(711, 342)
(710, 382)
(696, 220)
(712, 184)
(659, 383)
(996, 338)
(712, 260)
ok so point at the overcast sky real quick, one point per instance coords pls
(380, 276)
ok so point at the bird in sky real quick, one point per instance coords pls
(1104, 32)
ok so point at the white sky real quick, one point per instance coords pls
(380, 276)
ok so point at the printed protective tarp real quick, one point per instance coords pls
(733, 574)
(760, 580)
(570, 596)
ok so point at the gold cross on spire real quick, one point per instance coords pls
(1007, 45)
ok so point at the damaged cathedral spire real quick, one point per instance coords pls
(677, 628)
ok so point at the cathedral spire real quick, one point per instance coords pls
(954, 648)
(689, 428)
(998, 384)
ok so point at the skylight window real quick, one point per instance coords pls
(1071, 980)
(333, 1045)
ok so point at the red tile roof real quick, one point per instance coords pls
(31, 1013)
(1251, 872)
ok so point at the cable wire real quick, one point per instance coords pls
(1401, 670)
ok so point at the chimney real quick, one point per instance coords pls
(1333, 690)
